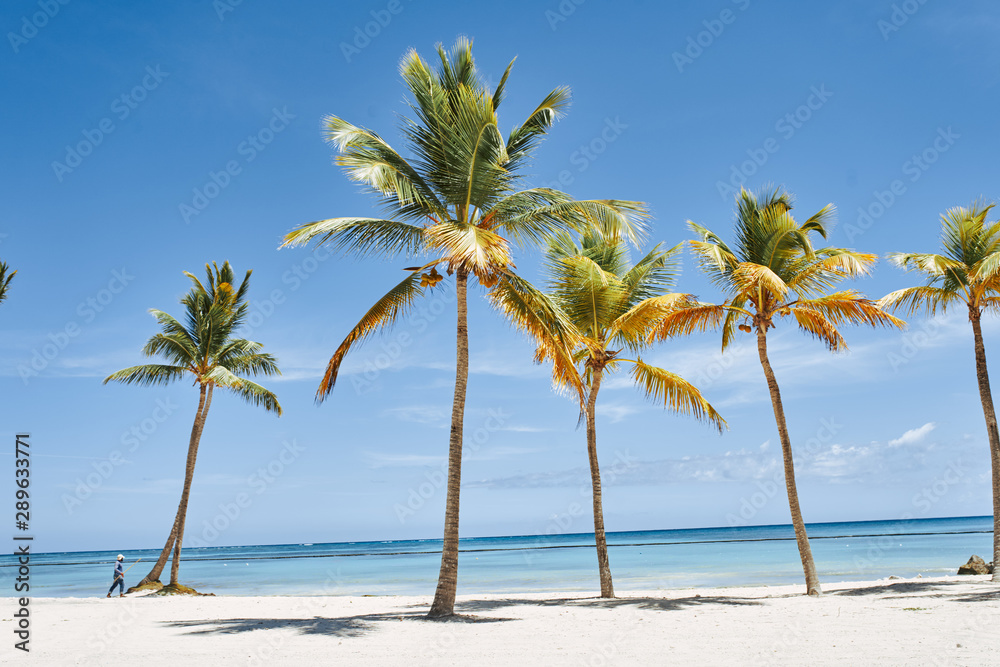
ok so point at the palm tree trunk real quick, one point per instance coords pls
(199, 426)
(805, 553)
(157, 570)
(154, 574)
(982, 376)
(603, 566)
(444, 596)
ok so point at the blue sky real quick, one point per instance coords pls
(145, 140)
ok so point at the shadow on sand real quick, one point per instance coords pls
(361, 624)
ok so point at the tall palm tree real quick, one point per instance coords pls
(600, 303)
(775, 272)
(967, 272)
(203, 349)
(455, 204)
(5, 279)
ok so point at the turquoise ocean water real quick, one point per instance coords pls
(641, 560)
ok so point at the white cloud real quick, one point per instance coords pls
(912, 436)
(615, 413)
(387, 460)
(420, 414)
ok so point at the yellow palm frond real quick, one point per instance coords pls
(633, 326)
(379, 317)
(677, 394)
(470, 248)
(812, 322)
(751, 278)
(846, 307)
(688, 319)
(554, 335)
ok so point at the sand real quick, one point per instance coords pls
(943, 621)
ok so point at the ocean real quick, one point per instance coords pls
(640, 560)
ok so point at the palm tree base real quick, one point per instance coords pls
(153, 585)
(178, 589)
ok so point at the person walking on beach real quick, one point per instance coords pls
(119, 578)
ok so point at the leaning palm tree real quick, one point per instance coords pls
(599, 302)
(454, 204)
(775, 272)
(968, 272)
(5, 279)
(203, 349)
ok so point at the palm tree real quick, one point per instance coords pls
(203, 349)
(601, 302)
(5, 279)
(455, 203)
(967, 272)
(775, 272)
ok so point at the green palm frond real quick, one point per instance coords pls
(914, 299)
(363, 236)
(250, 363)
(202, 346)
(148, 374)
(249, 391)
(677, 394)
(525, 137)
(5, 279)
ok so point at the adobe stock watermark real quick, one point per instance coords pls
(87, 311)
(562, 522)
(261, 310)
(121, 108)
(104, 469)
(248, 150)
(786, 126)
(698, 43)
(587, 153)
(389, 351)
(30, 25)
(563, 11)
(913, 168)
(258, 482)
(923, 502)
(767, 489)
(223, 7)
(418, 496)
(914, 341)
(370, 30)
(901, 14)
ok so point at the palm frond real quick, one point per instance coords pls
(364, 236)
(5, 279)
(677, 394)
(380, 317)
(249, 391)
(148, 375)
(850, 307)
(688, 319)
(913, 299)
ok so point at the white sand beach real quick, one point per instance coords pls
(942, 621)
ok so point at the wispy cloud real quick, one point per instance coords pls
(615, 412)
(914, 435)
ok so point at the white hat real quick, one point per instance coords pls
(120, 557)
